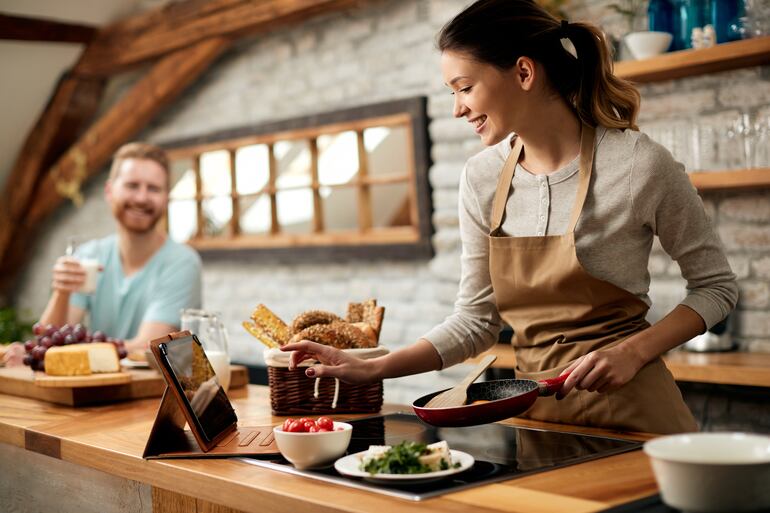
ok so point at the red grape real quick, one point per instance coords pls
(99, 336)
(29, 345)
(38, 329)
(46, 342)
(58, 339)
(70, 339)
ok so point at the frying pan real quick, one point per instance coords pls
(507, 398)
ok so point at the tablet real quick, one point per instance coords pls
(208, 410)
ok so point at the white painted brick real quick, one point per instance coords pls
(397, 14)
(441, 105)
(761, 267)
(447, 218)
(749, 208)
(450, 151)
(449, 129)
(746, 238)
(445, 199)
(740, 265)
(753, 324)
(753, 294)
(678, 104)
(446, 174)
(745, 94)
(447, 240)
(446, 267)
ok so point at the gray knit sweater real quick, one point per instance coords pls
(637, 191)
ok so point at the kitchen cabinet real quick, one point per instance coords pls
(687, 63)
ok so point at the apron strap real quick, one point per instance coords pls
(504, 186)
(586, 165)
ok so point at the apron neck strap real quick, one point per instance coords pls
(504, 185)
(506, 177)
(586, 166)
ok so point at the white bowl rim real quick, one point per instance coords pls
(656, 448)
(344, 425)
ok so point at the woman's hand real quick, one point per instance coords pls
(334, 362)
(14, 355)
(602, 371)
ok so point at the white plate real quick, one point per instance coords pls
(131, 364)
(349, 466)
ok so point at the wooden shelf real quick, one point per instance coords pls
(733, 368)
(685, 63)
(731, 180)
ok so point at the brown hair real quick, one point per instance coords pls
(139, 150)
(498, 32)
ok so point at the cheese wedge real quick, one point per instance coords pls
(81, 359)
(438, 451)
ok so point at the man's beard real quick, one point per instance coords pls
(134, 225)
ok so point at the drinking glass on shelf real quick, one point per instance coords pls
(213, 337)
(91, 266)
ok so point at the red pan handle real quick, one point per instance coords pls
(551, 386)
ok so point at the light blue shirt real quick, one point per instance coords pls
(168, 282)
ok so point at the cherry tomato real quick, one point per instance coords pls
(313, 429)
(295, 427)
(325, 423)
(286, 424)
(310, 424)
(305, 419)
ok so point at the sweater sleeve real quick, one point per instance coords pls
(665, 200)
(474, 325)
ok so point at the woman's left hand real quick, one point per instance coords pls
(602, 371)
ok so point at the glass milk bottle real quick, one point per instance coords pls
(213, 337)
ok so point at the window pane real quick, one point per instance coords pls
(182, 184)
(390, 205)
(255, 214)
(295, 211)
(182, 220)
(216, 215)
(337, 158)
(293, 163)
(387, 149)
(252, 168)
(340, 208)
(215, 173)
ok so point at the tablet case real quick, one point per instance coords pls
(169, 438)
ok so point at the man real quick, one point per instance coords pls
(146, 278)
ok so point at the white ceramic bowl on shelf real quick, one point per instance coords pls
(644, 45)
(711, 472)
(306, 450)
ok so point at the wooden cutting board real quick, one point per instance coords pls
(92, 380)
(143, 383)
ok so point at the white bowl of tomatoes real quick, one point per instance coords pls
(307, 442)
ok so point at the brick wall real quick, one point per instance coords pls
(381, 51)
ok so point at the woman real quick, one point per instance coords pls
(557, 223)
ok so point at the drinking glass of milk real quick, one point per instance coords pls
(213, 337)
(91, 266)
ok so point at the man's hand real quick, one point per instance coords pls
(68, 275)
(602, 371)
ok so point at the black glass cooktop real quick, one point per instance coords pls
(501, 452)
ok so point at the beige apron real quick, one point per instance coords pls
(559, 312)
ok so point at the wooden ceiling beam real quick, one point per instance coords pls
(157, 32)
(72, 106)
(40, 29)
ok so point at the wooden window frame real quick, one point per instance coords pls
(402, 242)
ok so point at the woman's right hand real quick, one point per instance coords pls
(68, 275)
(334, 362)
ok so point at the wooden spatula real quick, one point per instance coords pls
(457, 395)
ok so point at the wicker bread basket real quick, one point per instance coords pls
(293, 393)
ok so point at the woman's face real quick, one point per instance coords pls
(489, 98)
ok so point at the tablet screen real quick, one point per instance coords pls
(195, 379)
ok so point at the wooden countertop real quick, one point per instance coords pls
(111, 439)
(731, 368)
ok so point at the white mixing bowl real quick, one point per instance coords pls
(306, 450)
(647, 44)
(710, 472)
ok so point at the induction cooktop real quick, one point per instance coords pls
(501, 452)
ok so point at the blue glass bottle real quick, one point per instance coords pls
(660, 16)
(723, 14)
